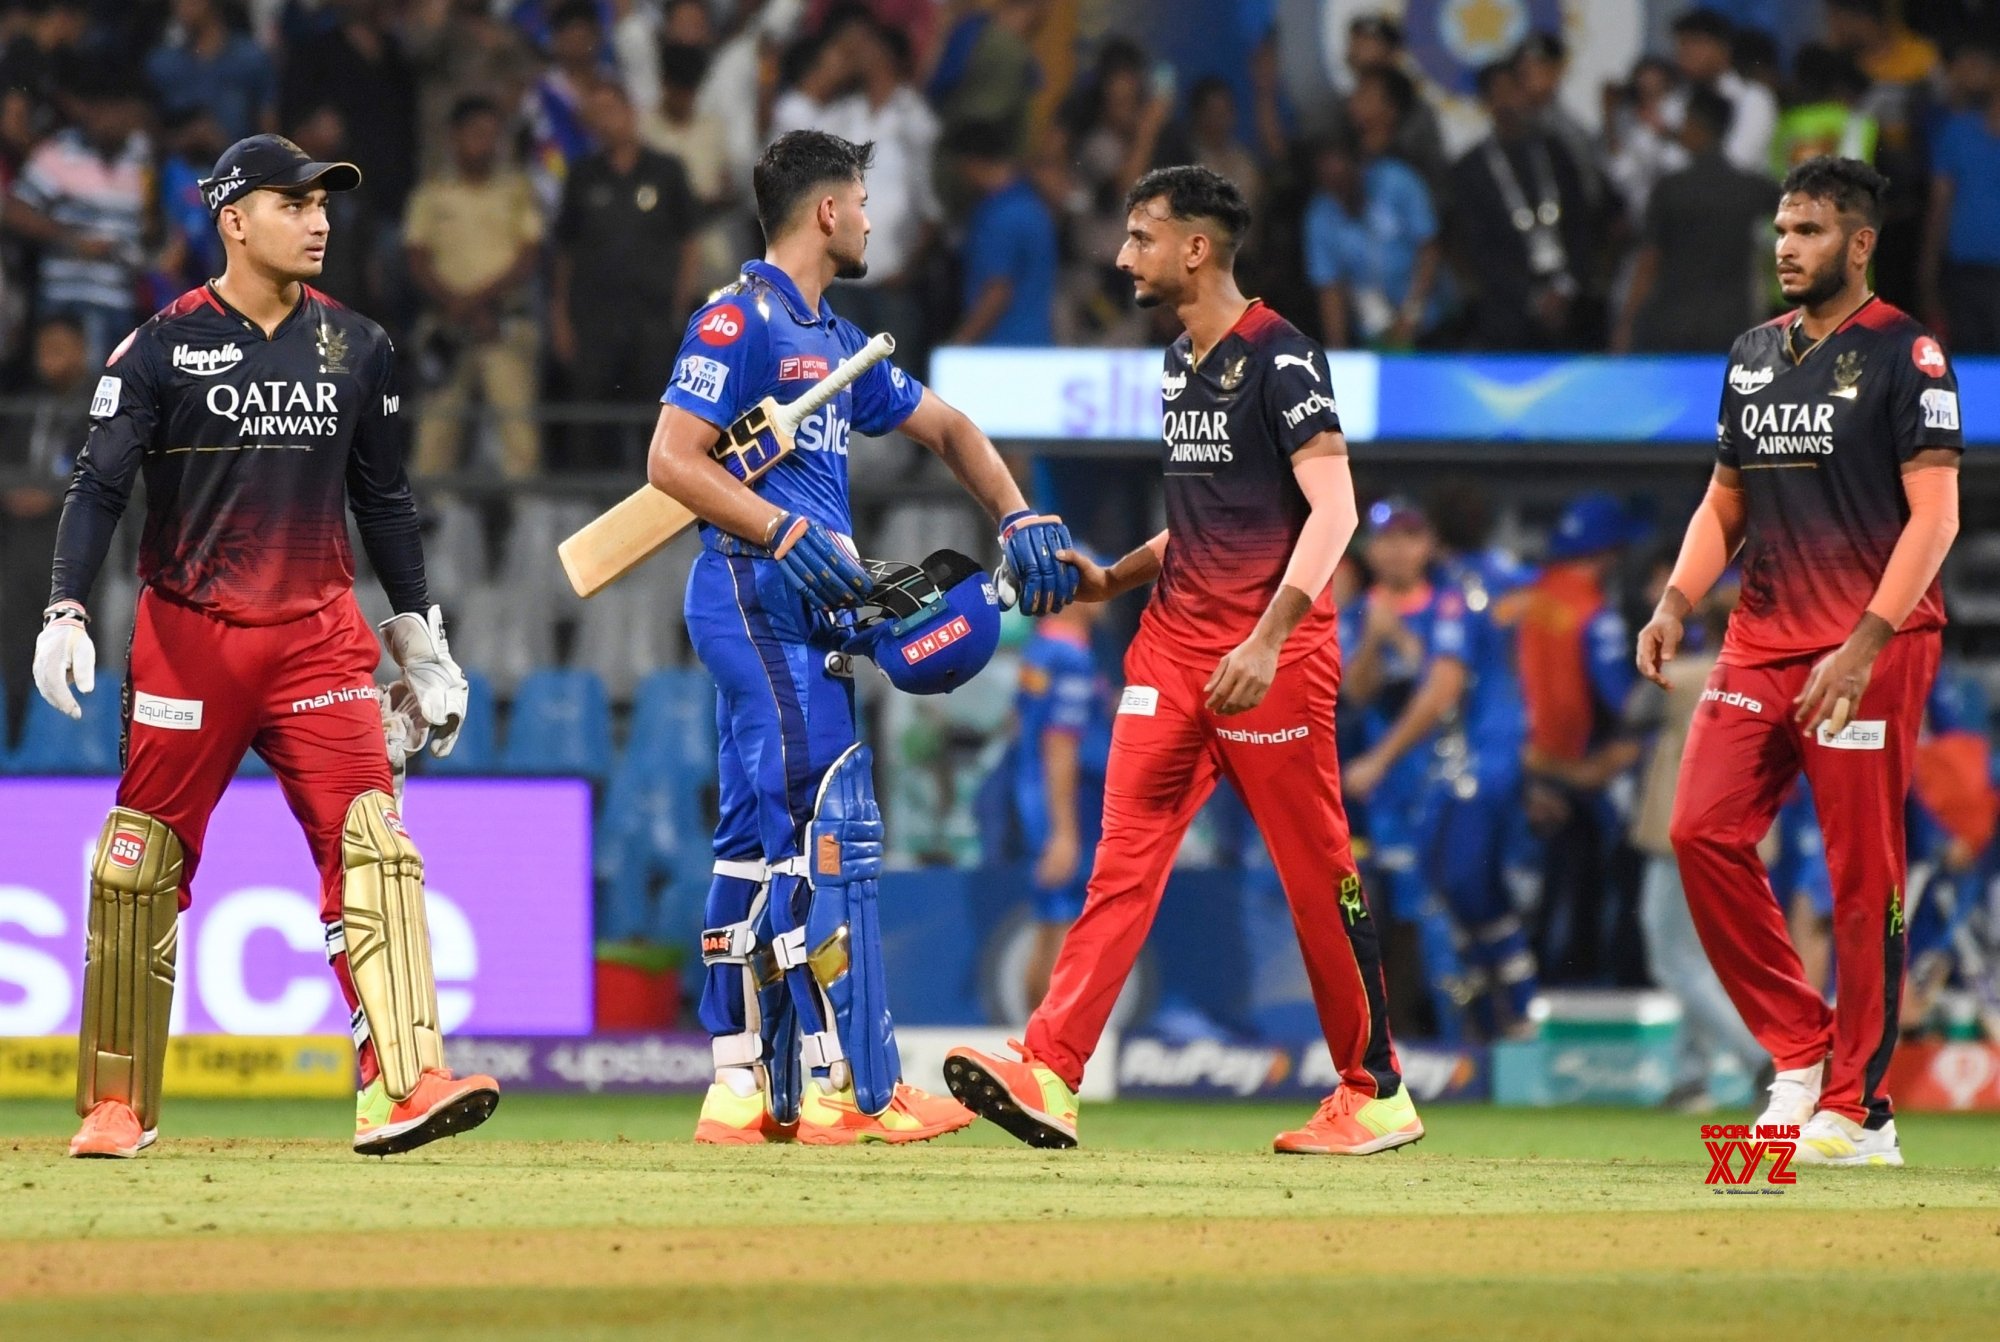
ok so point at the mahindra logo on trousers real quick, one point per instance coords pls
(332, 697)
(1733, 699)
(1279, 737)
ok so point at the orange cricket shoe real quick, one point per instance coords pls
(729, 1119)
(1026, 1098)
(111, 1129)
(442, 1105)
(1349, 1123)
(831, 1118)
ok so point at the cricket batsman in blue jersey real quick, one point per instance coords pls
(794, 996)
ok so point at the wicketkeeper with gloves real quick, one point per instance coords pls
(794, 997)
(259, 410)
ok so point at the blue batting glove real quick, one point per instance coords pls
(816, 564)
(1029, 540)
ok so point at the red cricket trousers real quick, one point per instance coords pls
(1743, 751)
(1167, 750)
(201, 692)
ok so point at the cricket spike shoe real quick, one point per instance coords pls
(442, 1105)
(729, 1119)
(1349, 1123)
(111, 1130)
(829, 1117)
(1835, 1139)
(1026, 1097)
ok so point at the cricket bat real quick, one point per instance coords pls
(619, 539)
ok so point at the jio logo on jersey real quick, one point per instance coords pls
(825, 430)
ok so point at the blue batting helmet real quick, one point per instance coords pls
(930, 627)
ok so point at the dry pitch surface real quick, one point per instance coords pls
(584, 1219)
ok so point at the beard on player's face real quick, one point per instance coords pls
(1818, 285)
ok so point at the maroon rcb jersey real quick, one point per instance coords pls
(252, 448)
(1234, 508)
(1820, 434)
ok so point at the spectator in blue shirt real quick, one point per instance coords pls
(1010, 246)
(194, 140)
(1961, 258)
(1371, 245)
(212, 68)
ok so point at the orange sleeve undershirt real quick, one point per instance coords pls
(1328, 484)
(1713, 534)
(1933, 495)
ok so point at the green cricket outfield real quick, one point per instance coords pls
(595, 1218)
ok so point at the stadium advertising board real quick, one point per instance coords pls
(508, 866)
(1114, 395)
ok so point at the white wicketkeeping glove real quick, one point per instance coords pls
(403, 731)
(435, 682)
(63, 653)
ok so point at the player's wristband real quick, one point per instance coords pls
(66, 612)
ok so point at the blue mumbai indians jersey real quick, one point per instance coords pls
(1062, 691)
(1478, 629)
(1401, 676)
(758, 338)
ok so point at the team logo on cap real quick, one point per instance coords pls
(216, 191)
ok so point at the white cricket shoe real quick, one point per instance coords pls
(1834, 1139)
(1794, 1096)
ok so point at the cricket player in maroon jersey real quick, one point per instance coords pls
(1234, 673)
(1836, 483)
(259, 411)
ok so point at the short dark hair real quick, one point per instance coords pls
(795, 164)
(682, 66)
(1849, 184)
(1195, 192)
(1705, 23)
(470, 106)
(1549, 46)
(991, 141)
(573, 11)
(1711, 111)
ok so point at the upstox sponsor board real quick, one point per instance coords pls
(507, 867)
(198, 1066)
(1214, 1069)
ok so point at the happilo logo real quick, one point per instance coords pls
(1732, 699)
(937, 641)
(127, 849)
(1749, 381)
(1172, 385)
(332, 697)
(206, 362)
(1736, 1151)
(1278, 737)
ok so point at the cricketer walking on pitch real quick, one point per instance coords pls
(259, 409)
(1234, 672)
(794, 996)
(1836, 488)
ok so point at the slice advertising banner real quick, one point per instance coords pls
(508, 874)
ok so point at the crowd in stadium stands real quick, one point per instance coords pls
(551, 185)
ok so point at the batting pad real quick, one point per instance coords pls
(389, 943)
(128, 965)
(843, 932)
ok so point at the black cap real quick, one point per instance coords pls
(270, 161)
